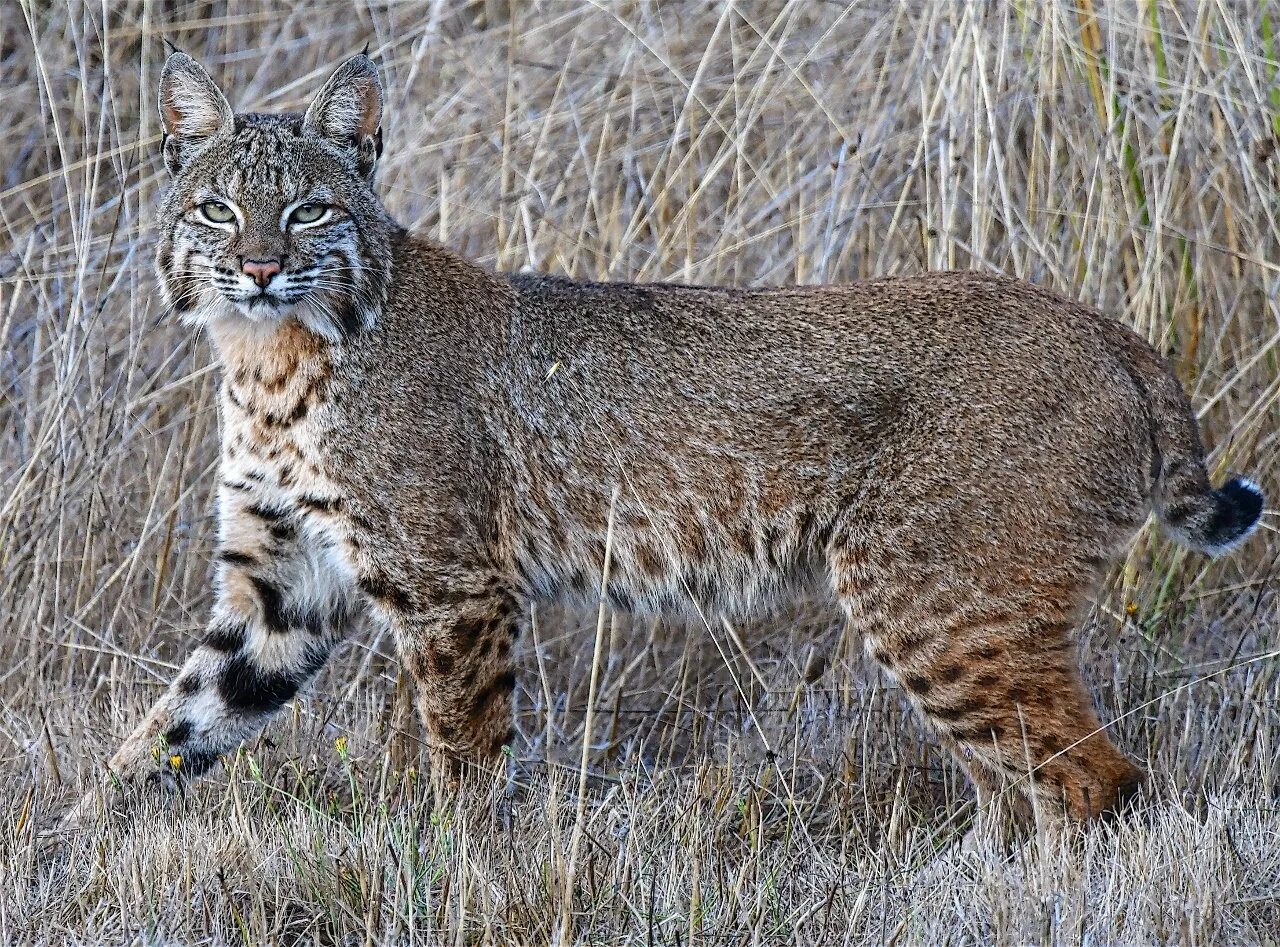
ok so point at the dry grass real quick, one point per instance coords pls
(1125, 155)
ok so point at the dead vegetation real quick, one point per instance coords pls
(737, 792)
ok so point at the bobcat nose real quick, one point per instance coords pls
(260, 270)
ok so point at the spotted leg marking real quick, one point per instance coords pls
(457, 645)
(285, 598)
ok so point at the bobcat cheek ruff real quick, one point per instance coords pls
(408, 438)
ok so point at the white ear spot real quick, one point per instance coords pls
(191, 105)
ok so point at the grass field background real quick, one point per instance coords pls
(753, 784)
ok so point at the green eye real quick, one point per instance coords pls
(307, 213)
(217, 212)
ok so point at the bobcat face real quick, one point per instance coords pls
(272, 217)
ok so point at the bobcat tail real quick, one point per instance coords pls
(1187, 506)
(1215, 521)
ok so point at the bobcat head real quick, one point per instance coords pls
(273, 217)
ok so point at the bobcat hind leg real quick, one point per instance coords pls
(996, 675)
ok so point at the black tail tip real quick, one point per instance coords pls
(1239, 507)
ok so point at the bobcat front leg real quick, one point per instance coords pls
(284, 600)
(455, 637)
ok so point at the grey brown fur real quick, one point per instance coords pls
(408, 438)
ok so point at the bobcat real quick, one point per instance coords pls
(955, 458)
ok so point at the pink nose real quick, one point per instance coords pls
(261, 270)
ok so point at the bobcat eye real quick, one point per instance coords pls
(308, 213)
(217, 212)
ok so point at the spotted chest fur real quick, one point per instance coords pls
(275, 392)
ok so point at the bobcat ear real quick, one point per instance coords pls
(348, 112)
(192, 109)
